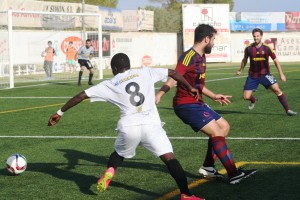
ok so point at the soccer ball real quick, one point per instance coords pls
(16, 163)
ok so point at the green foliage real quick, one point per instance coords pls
(167, 20)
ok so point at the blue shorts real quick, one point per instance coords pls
(266, 81)
(71, 62)
(196, 115)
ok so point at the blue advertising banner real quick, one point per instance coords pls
(267, 21)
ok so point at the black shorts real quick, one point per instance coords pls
(85, 63)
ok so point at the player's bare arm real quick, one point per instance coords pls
(72, 102)
(76, 56)
(91, 56)
(222, 99)
(243, 64)
(279, 69)
(164, 89)
(178, 77)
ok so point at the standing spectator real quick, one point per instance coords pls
(71, 57)
(48, 55)
(85, 54)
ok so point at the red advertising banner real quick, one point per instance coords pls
(292, 21)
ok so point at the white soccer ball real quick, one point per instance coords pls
(16, 163)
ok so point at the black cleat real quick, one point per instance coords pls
(241, 174)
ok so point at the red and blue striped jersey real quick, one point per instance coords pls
(259, 59)
(192, 67)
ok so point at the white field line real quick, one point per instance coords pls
(35, 97)
(111, 137)
(43, 84)
(221, 79)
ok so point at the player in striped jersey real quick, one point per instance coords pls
(194, 112)
(259, 71)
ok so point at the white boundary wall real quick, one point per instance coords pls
(144, 49)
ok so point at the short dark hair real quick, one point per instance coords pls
(119, 63)
(88, 40)
(202, 31)
(49, 42)
(257, 30)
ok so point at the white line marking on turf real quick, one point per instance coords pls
(35, 97)
(222, 79)
(113, 137)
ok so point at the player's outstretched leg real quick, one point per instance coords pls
(208, 167)
(253, 100)
(282, 99)
(177, 172)
(114, 161)
(103, 182)
(235, 175)
(79, 77)
(90, 78)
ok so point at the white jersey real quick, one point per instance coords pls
(134, 93)
(84, 53)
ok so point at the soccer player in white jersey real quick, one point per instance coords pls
(85, 54)
(132, 90)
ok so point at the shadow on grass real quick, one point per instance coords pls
(86, 182)
(270, 182)
(63, 83)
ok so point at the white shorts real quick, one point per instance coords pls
(152, 137)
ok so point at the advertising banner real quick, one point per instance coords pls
(286, 45)
(140, 20)
(47, 21)
(129, 20)
(292, 21)
(145, 20)
(266, 21)
(112, 19)
(216, 15)
(161, 48)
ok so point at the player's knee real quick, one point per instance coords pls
(226, 130)
(167, 156)
(246, 97)
(278, 92)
